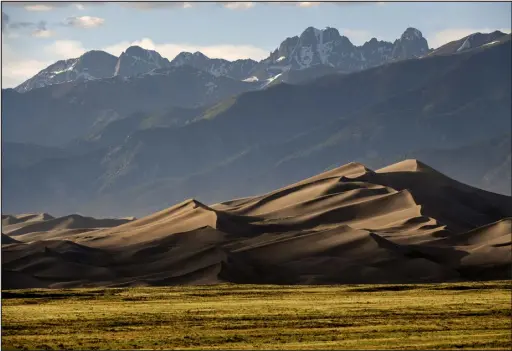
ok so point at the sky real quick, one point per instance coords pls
(37, 34)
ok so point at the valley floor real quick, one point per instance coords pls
(434, 316)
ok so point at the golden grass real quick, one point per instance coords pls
(438, 316)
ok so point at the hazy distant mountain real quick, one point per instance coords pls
(268, 138)
(117, 131)
(23, 155)
(91, 65)
(59, 113)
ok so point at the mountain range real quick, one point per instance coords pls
(125, 146)
(324, 49)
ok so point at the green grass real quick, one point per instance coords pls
(219, 108)
(438, 316)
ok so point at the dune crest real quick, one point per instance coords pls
(403, 223)
(409, 165)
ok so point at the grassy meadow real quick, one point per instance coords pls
(438, 316)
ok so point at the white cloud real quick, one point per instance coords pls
(303, 4)
(232, 5)
(16, 72)
(50, 5)
(38, 7)
(225, 51)
(84, 21)
(238, 5)
(447, 35)
(156, 5)
(64, 49)
(308, 3)
(16, 68)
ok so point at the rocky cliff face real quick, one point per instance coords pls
(328, 47)
(411, 44)
(327, 51)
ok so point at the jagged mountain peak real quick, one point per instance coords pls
(151, 56)
(97, 53)
(327, 34)
(136, 50)
(411, 34)
(310, 30)
(411, 44)
(330, 33)
(317, 31)
(374, 42)
(137, 60)
(186, 55)
(96, 58)
(345, 40)
(327, 50)
(200, 54)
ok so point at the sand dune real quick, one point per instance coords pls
(402, 223)
(29, 217)
(13, 222)
(67, 222)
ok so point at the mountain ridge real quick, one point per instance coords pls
(296, 53)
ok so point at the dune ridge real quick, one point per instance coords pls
(402, 223)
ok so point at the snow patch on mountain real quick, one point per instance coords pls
(465, 46)
(270, 80)
(251, 79)
(492, 43)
